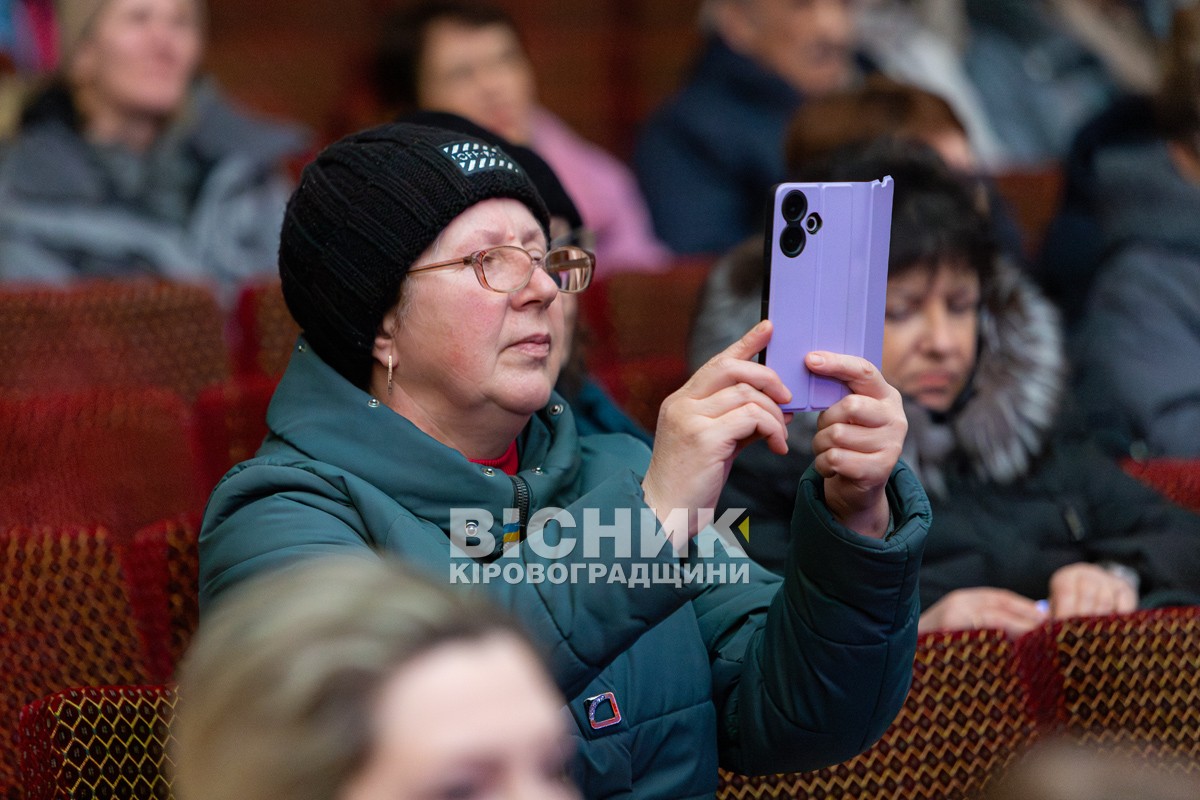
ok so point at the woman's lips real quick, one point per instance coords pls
(536, 346)
(935, 380)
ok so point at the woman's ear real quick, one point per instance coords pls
(385, 342)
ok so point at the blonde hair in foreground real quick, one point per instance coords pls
(277, 690)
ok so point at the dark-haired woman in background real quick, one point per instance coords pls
(1025, 507)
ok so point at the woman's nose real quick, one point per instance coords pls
(939, 336)
(540, 289)
(834, 19)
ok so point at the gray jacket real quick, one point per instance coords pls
(203, 205)
(1137, 350)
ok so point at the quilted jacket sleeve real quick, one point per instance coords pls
(809, 670)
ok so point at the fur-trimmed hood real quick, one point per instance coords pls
(1002, 421)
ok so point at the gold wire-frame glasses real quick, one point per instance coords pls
(508, 268)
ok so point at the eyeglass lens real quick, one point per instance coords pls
(509, 268)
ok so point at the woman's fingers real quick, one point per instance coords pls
(857, 373)
(732, 397)
(728, 403)
(734, 365)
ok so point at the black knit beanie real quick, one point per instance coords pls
(364, 210)
(545, 180)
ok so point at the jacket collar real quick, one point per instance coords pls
(322, 416)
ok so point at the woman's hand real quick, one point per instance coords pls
(1084, 589)
(982, 607)
(729, 403)
(858, 442)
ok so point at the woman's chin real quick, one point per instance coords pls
(528, 400)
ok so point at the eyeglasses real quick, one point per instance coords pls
(509, 269)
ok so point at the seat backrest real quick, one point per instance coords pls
(65, 620)
(966, 715)
(120, 457)
(162, 568)
(97, 742)
(636, 332)
(636, 315)
(263, 332)
(231, 420)
(1034, 195)
(1176, 478)
(111, 333)
(1131, 681)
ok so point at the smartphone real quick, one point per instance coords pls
(825, 285)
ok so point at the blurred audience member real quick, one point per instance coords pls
(880, 108)
(467, 58)
(909, 43)
(885, 107)
(1044, 67)
(706, 158)
(128, 164)
(1138, 345)
(352, 679)
(1063, 769)
(1025, 507)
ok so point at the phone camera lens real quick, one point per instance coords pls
(813, 223)
(795, 206)
(792, 241)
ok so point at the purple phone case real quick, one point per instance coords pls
(831, 295)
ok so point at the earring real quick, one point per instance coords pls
(389, 374)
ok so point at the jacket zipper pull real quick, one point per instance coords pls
(521, 503)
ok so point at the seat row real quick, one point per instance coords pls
(82, 607)
(978, 701)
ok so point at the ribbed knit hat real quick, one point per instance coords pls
(545, 180)
(364, 210)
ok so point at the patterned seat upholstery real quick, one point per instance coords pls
(121, 457)
(1131, 681)
(65, 620)
(110, 742)
(111, 333)
(968, 713)
(162, 565)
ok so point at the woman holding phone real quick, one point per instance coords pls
(417, 418)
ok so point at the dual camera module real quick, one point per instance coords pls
(800, 224)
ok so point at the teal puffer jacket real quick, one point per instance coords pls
(760, 675)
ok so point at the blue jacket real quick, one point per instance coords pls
(763, 674)
(706, 159)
